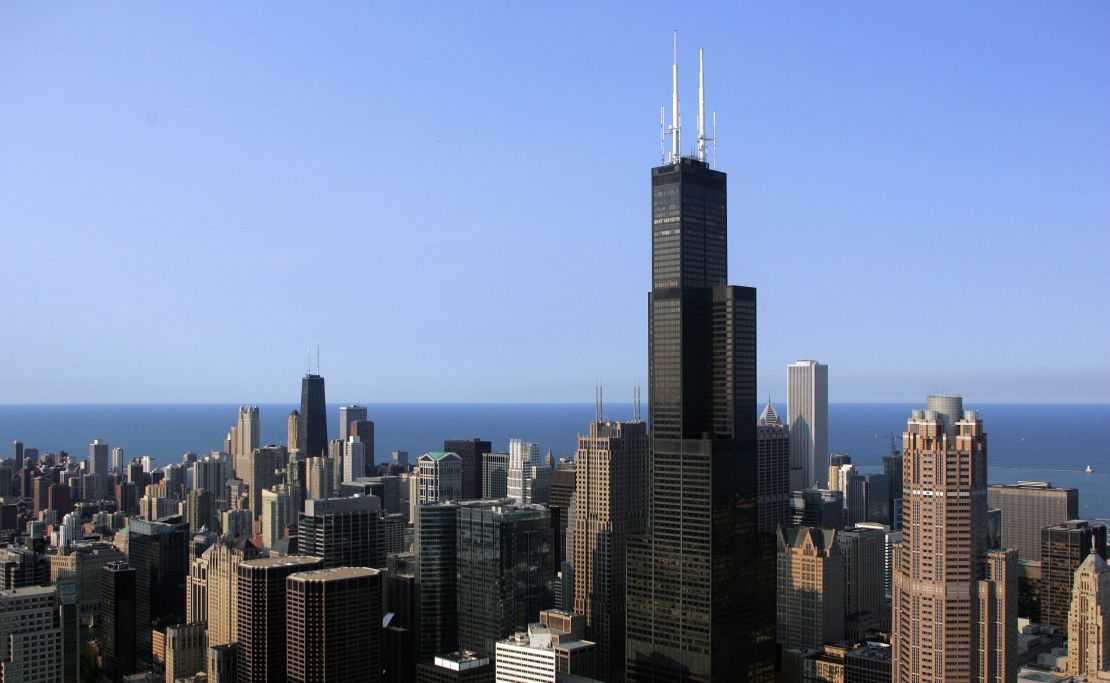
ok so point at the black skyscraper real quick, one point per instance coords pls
(698, 607)
(117, 620)
(472, 452)
(159, 552)
(312, 433)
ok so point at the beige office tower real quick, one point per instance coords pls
(292, 431)
(317, 478)
(223, 613)
(810, 588)
(333, 626)
(257, 469)
(1089, 618)
(247, 430)
(186, 651)
(611, 504)
(939, 564)
(275, 509)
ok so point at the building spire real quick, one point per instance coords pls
(701, 105)
(676, 116)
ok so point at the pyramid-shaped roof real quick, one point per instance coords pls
(769, 416)
(1094, 564)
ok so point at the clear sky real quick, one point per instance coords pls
(453, 199)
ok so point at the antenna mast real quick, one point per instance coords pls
(662, 134)
(676, 117)
(701, 105)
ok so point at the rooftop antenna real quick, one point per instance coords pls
(308, 360)
(662, 134)
(676, 117)
(636, 403)
(317, 358)
(701, 105)
(714, 138)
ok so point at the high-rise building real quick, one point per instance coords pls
(495, 476)
(435, 548)
(817, 508)
(117, 620)
(840, 469)
(865, 602)
(82, 565)
(334, 626)
(773, 466)
(354, 458)
(200, 509)
(257, 469)
(810, 588)
(504, 569)
(17, 454)
(697, 609)
(1089, 618)
(529, 477)
(343, 532)
(611, 467)
(292, 430)
(262, 608)
(186, 650)
(98, 457)
(118, 459)
(159, 552)
(892, 468)
(247, 431)
(997, 615)
(35, 636)
(364, 430)
(312, 430)
(807, 386)
(347, 415)
(223, 588)
(439, 477)
(472, 452)
(1027, 508)
(275, 516)
(940, 565)
(1063, 548)
(318, 478)
(868, 498)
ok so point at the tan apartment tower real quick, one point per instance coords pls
(941, 560)
(611, 503)
(1089, 618)
(333, 623)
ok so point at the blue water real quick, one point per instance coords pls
(1026, 442)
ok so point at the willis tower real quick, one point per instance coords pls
(700, 594)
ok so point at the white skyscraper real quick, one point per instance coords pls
(117, 459)
(354, 458)
(808, 407)
(529, 477)
(347, 415)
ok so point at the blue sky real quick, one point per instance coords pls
(453, 201)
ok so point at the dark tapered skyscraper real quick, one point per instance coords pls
(696, 601)
(312, 432)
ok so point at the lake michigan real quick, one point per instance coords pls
(1052, 443)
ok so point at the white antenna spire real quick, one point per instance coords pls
(701, 105)
(662, 133)
(714, 138)
(676, 118)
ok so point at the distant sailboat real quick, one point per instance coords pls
(1089, 470)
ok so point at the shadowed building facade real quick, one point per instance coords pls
(697, 606)
(312, 430)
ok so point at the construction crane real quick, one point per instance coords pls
(891, 437)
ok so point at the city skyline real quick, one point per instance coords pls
(850, 140)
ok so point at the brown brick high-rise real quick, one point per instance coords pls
(940, 562)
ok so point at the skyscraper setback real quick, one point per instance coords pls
(694, 608)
